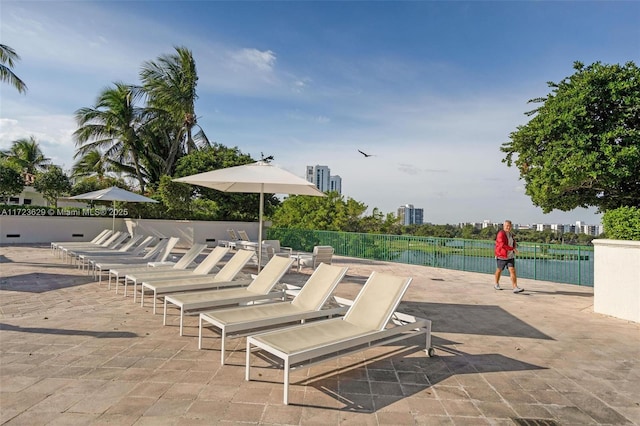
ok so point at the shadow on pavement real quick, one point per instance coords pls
(37, 282)
(61, 331)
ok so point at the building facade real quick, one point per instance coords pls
(321, 177)
(409, 215)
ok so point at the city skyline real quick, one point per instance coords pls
(428, 90)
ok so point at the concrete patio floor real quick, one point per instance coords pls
(73, 352)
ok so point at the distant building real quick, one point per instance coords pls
(321, 177)
(335, 184)
(409, 215)
(578, 228)
(542, 227)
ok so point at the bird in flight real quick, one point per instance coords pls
(365, 154)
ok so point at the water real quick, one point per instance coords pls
(577, 271)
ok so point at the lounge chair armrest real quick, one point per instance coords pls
(342, 301)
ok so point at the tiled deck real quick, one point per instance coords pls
(72, 352)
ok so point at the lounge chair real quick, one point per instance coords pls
(202, 270)
(115, 241)
(244, 241)
(126, 250)
(243, 236)
(279, 250)
(119, 270)
(260, 288)
(160, 251)
(307, 304)
(103, 235)
(267, 253)
(223, 278)
(136, 254)
(366, 324)
(60, 247)
(321, 254)
(231, 242)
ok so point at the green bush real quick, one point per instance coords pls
(622, 223)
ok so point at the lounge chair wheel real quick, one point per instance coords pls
(431, 352)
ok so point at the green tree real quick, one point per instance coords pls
(176, 197)
(582, 147)
(170, 85)
(622, 223)
(112, 127)
(228, 205)
(8, 58)
(52, 184)
(26, 154)
(93, 183)
(91, 163)
(11, 180)
(330, 213)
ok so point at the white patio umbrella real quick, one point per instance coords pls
(113, 194)
(259, 177)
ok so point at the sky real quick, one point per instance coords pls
(431, 89)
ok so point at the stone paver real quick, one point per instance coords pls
(73, 352)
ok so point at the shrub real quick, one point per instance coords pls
(622, 223)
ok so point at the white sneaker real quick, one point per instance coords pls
(497, 287)
(518, 290)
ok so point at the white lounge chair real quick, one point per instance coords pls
(231, 242)
(202, 270)
(115, 241)
(223, 278)
(267, 253)
(307, 304)
(279, 250)
(121, 270)
(103, 235)
(321, 254)
(127, 249)
(60, 247)
(244, 241)
(162, 250)
(260, 288)
(370, 321)
(136, 254)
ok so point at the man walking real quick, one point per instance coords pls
(505, 252)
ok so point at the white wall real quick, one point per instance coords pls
(616, 278)
(44, 229)
(190, 231)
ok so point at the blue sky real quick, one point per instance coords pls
(432, 89)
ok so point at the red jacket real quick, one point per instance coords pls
(502, 245)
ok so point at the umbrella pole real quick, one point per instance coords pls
(113, 220)
(260, 227)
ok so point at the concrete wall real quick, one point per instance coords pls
(190, 231)
(44, 229)
(616, 278)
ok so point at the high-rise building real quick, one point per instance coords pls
(409, 215)
(335, 184)
(321, 177)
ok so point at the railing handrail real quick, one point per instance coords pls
(550, 262)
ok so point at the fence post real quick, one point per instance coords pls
(464, 255)
(535, 261)
(579, 267)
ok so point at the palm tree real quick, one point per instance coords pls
(27, 155)
(170, 85)
(92, 163)
(112, 127)
(8, 56)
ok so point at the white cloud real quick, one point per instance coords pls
(53, 133)
(254, 59)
